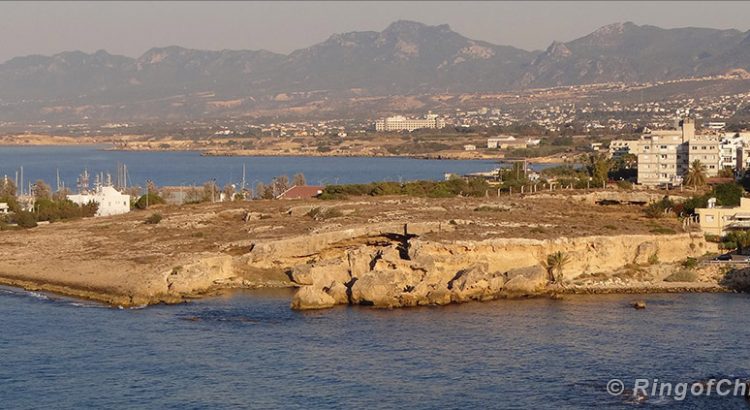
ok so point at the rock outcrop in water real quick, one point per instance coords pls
(438, 273)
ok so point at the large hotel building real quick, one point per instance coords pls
(401, 123)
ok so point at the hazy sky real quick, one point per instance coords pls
(130, 28)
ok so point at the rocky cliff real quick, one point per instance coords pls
(411, 272)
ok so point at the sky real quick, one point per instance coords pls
(131, 28)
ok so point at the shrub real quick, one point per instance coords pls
(153, 219)
(148, 200)
(442, 189)
(57, 210)
(728, 194)
(728, 245)
(623, 184)
(682, 276)
(657, 209)
(690, 263)
(653, 259)
(324, 213)
(713, 238)
(25, 219)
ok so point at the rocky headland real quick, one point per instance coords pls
(382, 252)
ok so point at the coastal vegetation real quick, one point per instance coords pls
(555, 264)
(473, 187)
(46, 206)
(149, 199)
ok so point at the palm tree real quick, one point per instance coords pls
(696, 175)
(555, 264)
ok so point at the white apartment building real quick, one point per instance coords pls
(401, 123)
(664, 157)
(734, 151)
(662, 160)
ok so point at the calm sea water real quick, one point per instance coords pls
(187, 168)
(249, 350)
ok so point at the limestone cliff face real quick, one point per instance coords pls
(427, 272)
(586, 254)
(388, 267)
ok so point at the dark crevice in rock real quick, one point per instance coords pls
(289, 275)
(378, 256)
(455, 277)
(349, 289)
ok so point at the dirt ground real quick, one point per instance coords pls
(220, 227)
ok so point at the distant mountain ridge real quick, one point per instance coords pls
(405, 58)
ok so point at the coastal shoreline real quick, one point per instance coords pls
(115, 300)
(385, 252)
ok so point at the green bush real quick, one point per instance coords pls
(690, 263)
(148, 200)
(657, 209)
(728, 245)
(728, 194)
(712, 238)
(153, 219)
(59, 210)
(443, 189)
(25, 219)
(682, 276)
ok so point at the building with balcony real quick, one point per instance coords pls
(720, 220)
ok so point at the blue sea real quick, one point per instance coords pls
(247, 349)
(190, 168)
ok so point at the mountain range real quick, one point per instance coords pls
(405, 58)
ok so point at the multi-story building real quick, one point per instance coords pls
(664, 157)
(734, 150)
(401, 123)
(618, 148)
(718, 220)
(705, 148)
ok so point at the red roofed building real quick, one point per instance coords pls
(301, 192)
